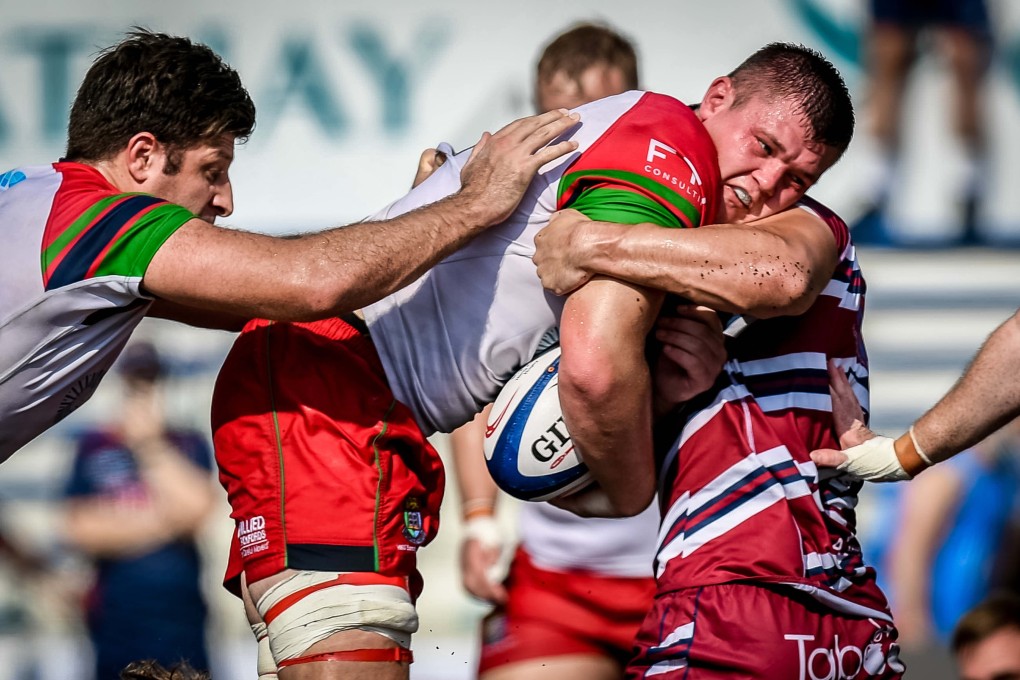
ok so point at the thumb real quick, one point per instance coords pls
(477, 148)
(829, 458)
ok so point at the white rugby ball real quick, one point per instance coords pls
(527, 448)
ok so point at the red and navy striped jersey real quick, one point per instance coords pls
(70, 274)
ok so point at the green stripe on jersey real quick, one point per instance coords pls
(692, 212)
(623, 206)
(75, 228)
(131, 254)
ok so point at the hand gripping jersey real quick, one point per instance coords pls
(74, 255)
(452, 338)
(743, 500)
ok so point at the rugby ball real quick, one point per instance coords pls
(527, 448)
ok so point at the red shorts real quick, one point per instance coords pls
(754, 631)
(324, 469)
(554, 613)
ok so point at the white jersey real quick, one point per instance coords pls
(75, 251)
(561, 541)
(451, 339)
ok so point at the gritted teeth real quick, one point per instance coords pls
(742, 196)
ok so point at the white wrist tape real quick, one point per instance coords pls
(874, 461)
(485, 530)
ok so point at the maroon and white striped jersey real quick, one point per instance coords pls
(742, 498)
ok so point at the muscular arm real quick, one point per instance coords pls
(775, 266)
(984, 399)
(318, 275)
(604, 387)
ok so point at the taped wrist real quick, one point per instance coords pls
(485, 530)
(875, 461)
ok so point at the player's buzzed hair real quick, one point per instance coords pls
(788, 71)
(585, 45)
(180, 91)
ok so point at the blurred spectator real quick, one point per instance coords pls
(986, 641)
(137, 494)
(960, 29)
(951, 544)
(585, 63)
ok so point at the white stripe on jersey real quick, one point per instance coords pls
(680, 638)
(679, 635)
(841, 604)
(753, 484)
(668, 666)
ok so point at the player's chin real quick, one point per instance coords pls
(734, 213)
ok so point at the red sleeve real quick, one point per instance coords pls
(660, 153)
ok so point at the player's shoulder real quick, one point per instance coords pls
(636, 104)
(831, 219)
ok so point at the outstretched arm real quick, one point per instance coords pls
(984, 399)
(775, 266)
(340, 270)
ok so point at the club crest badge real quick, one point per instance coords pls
(414, 529)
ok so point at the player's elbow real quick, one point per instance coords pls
(588, 379)
(788, 295)
(309, 297)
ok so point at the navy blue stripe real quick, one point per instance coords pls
(790, 381)
(688, 515)
(751, 492)
(83, 253)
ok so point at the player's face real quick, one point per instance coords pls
(563, 92)
(765, 160)
(997, 657)
(202, 185)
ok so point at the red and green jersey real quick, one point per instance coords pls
(70, 273)
(452, 338)
(642, 170)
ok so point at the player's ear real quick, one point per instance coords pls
(718, 97)
(141, 154)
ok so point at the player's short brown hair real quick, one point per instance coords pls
(180, 91)
(788, 71)
(585, 45)
(998, 611)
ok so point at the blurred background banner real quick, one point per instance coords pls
(349, 93)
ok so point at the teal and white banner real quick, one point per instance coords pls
(349, 93)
